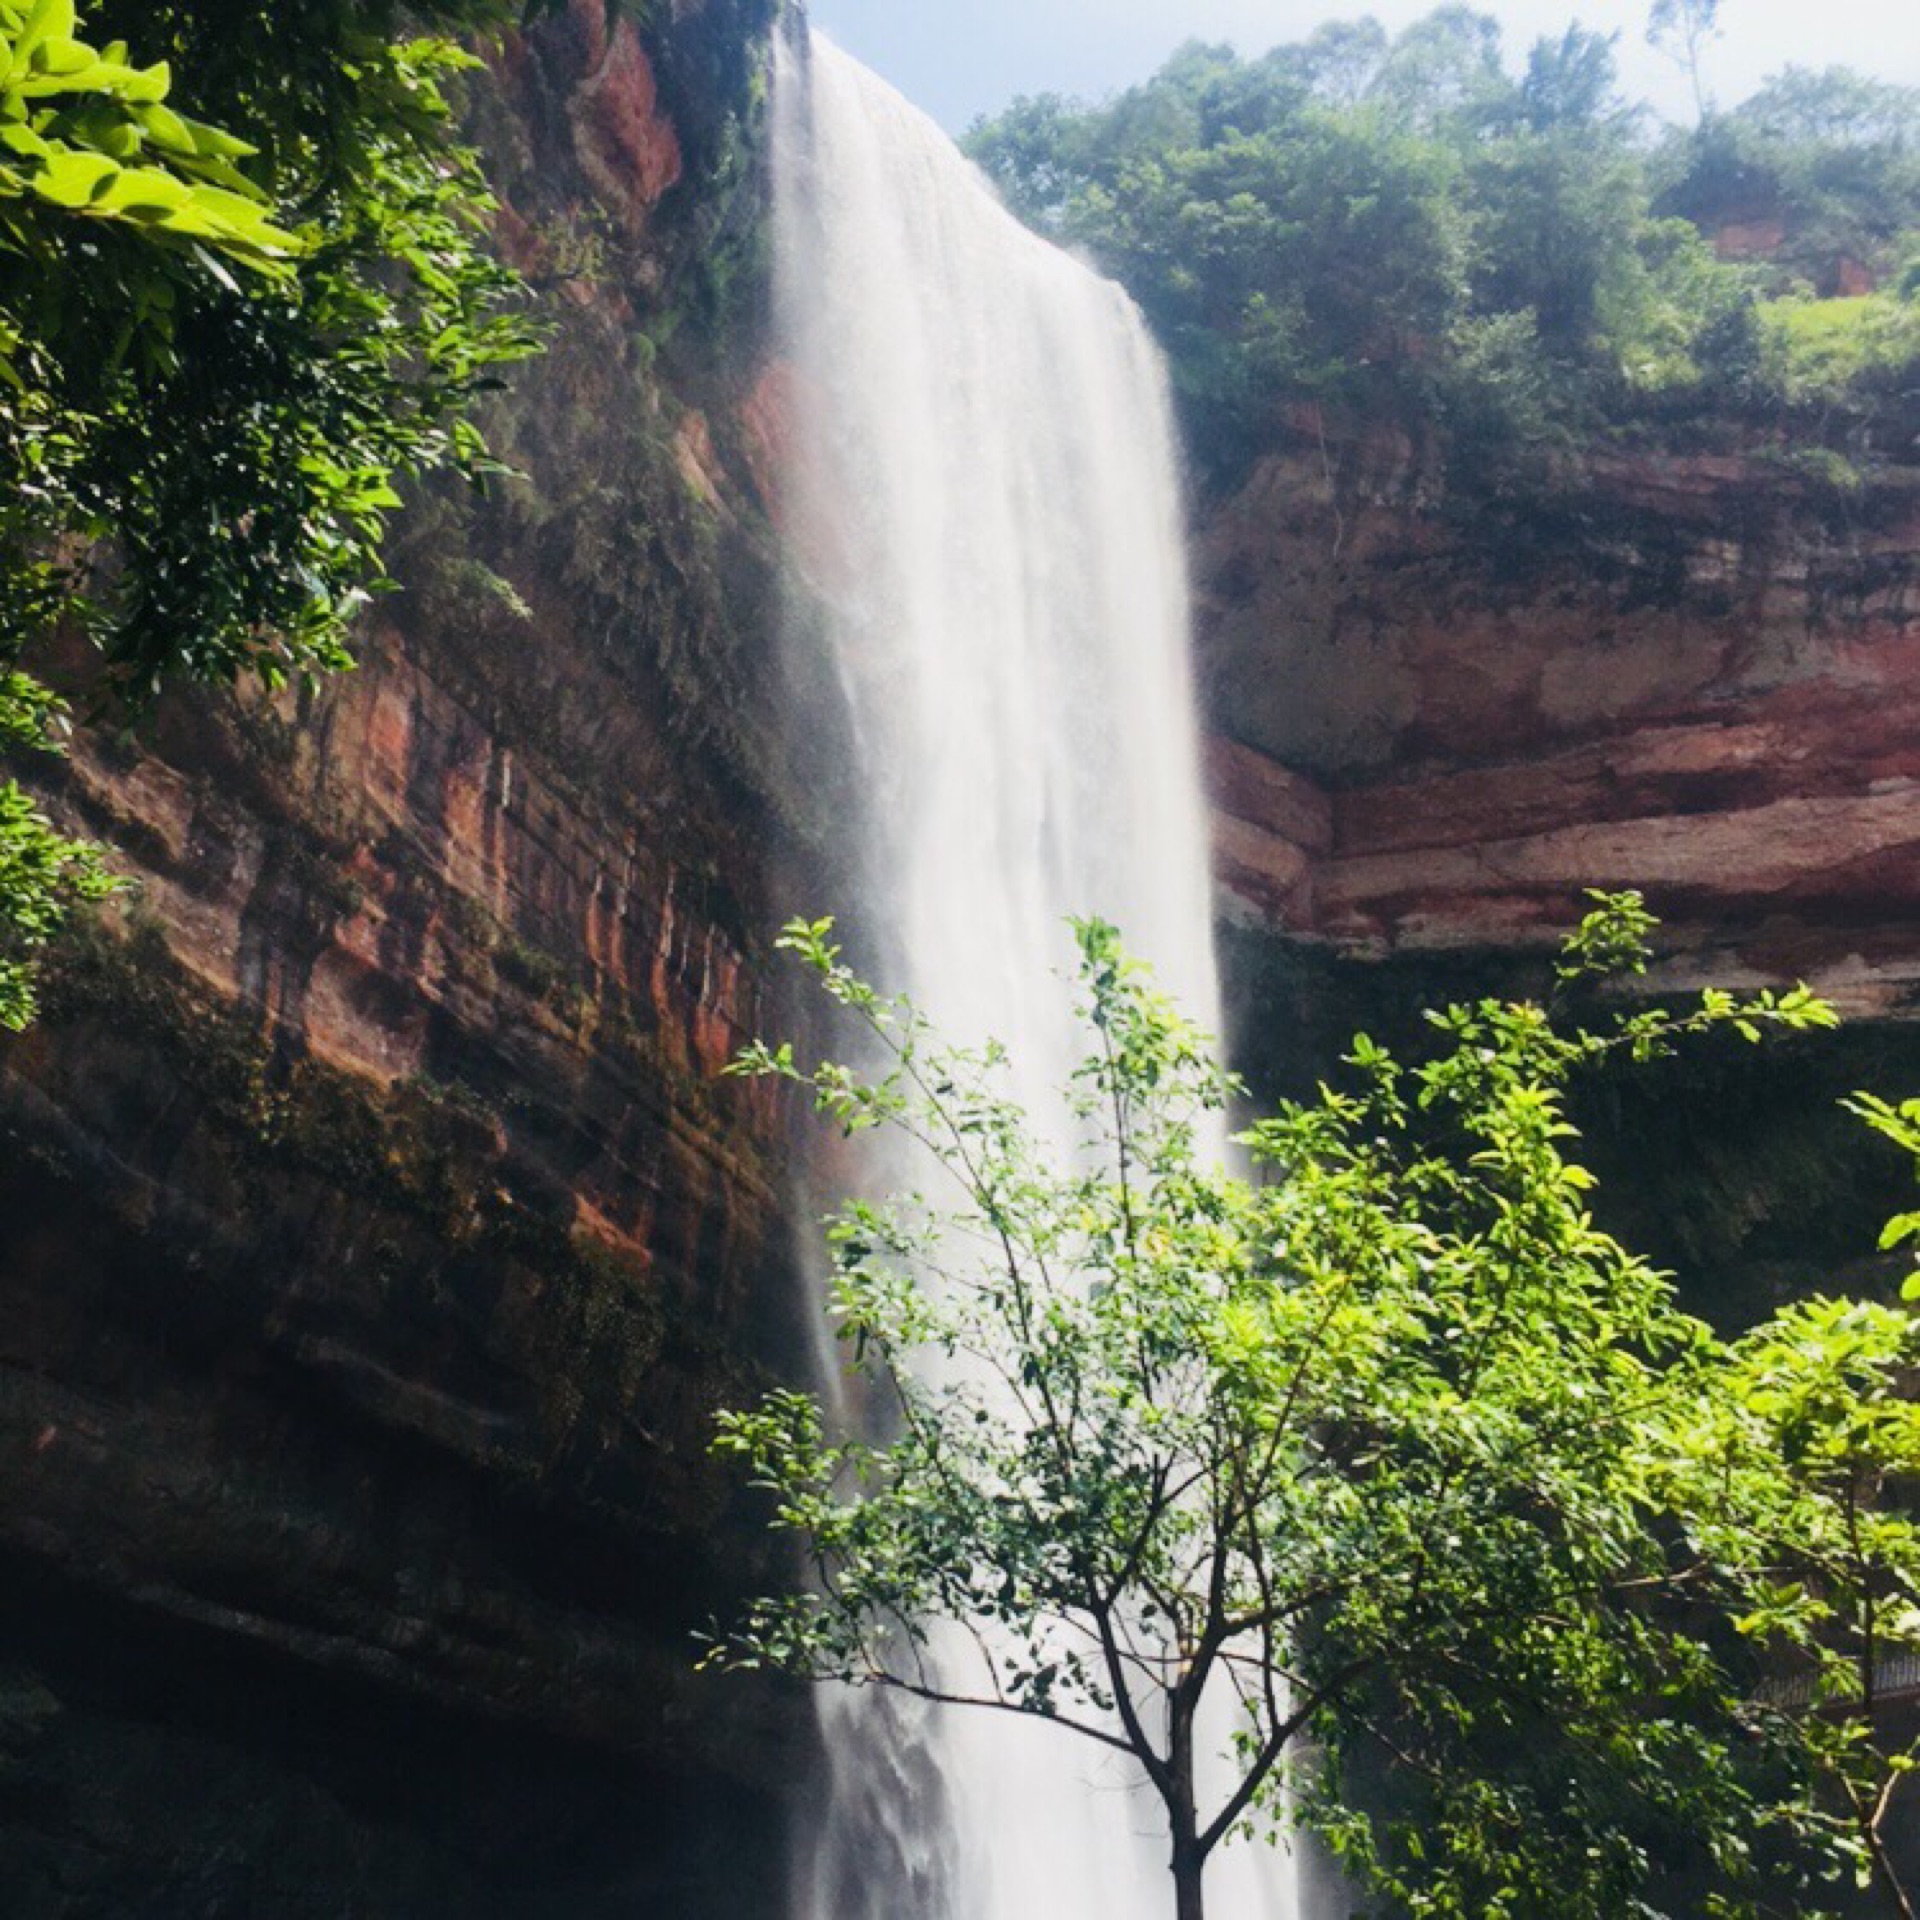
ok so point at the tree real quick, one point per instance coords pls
(1341, 59)
(88, 141)
(1443, 72)
(1572, 82)
(1388, 1447)
(1030, 151)
(225, 341)
(43, 874)
(1393, 229)
(1836, 153)
(1681, 30)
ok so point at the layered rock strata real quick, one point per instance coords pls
(376, 1239)
(1429, 741)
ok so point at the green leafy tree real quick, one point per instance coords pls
(1396, 228)
(1033, 152)
(86, 139)
(1340, 60)
(1442, 74)
(1513, 269)
(87, 135)
(242, 444)
(43, 874)
(1386, 1454)
(1571, 82)
(1834, 154)
(1683, 30)
(245, 294)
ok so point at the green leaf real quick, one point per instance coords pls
(166, 127)
(74, 179)
(46, 20)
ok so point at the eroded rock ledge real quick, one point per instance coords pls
(1717, 701)
(375, 1240)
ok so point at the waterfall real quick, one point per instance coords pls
(985, 501)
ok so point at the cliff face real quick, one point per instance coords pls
(1432, 736)
(1432, 739)
(377, 1239)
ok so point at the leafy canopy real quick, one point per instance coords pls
(86, 133)
(1382, 1453)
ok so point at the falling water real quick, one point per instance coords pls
(985, 499)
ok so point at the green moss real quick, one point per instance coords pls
(530, 969)
(409, 1147)
(426, 1156)
(605, 1333)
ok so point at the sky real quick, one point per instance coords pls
(959, 58)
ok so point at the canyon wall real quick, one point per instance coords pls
(1435, 727)
(1434, 735)
(375, 1237)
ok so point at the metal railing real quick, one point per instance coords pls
(1895, 1678)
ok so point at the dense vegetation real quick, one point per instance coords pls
(1578, 1607)
(1513, 264)
(244, 292)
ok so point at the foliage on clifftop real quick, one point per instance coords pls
(1510, 262)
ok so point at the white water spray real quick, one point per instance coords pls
(985, 495)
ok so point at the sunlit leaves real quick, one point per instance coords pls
(1408, 228)
(43, 873)
(84, 133)
(218, 397)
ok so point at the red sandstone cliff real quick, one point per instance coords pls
(376, 1238)
(1424, 743)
